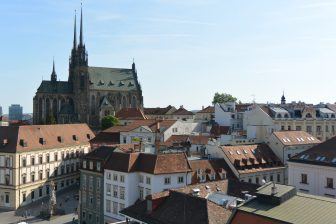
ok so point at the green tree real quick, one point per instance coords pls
(109, 121)
(223, 98)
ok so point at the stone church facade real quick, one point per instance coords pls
(90, 92)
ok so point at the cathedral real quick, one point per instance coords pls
(90, 92)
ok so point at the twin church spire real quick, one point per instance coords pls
(79, 56)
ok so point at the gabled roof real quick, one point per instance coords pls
(323, 154)
(27, 138)
(149, 163)
(118, 79)
(130, 114)
(295, 138)
(180, 139)
(208, 109)
(158, 110)
(243, 107)
(182, 111)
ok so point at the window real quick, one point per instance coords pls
(122, 178)
(298, 128)
(327, 128)
(121, 206)
(48, 158)
(180, 180)
(108, 189)
(108, 206)
(115, 177)
(257, 180)
(24, 162)
(148, 191)
(115, 208)
(304, 178)
(271, 177)
(47, 190)
(55, 156)
(24, 196)
(40, 159)
(330, 183)
(115, 191)
(84, 164)
(91, 165)
(32, 194)
(40, 192)
(32, 177)
(121, 192)
(141, 193)
(108, 176)
(124, 139)
(40, 175)
(289, 128)
(47, 173)
(32, 161)
(98, 166)
(278, 178)
(148, 180)
(7, 198)
(309, 129)
(24, 180)
(91, 183)
(167, 180)
(282, 128)
(141, 178)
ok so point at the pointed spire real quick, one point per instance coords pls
(133, 65)
(75, 34)
(283, 98)
(53, 74)
(81, 28)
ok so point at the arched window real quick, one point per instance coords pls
(40, 110)
(93, 105)
(123, 102)
(47, 108)
(82, 81)
(308, 115)
(134, 102)
(286, 116)
(332, 115)
(279, 116)
(54, 107)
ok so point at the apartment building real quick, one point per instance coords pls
(262, 120)
(129, 177)
(314, 171)
(32, 156)
(91, 192)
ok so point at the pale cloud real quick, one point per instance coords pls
(318, 4)
(181, 21)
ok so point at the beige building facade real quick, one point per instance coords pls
(33, 156)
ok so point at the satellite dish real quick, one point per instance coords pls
(263, 181)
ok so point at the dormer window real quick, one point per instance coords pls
(23, 143)
(111, 83)
(60, 139)
(101, 83)
(121, 83)
(42, 141)
(75, 138)
(88, 136)
(4, 141)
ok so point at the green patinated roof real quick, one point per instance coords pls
(117, 79)
(300, 209)
(55, 87)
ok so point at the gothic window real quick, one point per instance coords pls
(123, 102)
(308, 115)
(134, 102)
(54, 107)
(40, 110)
(279, 116)
(47, 107)
(93, 105)
(82, 80)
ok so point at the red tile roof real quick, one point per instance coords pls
(149, 163)
(181, 139)
(130, 114)
(182, 111)
(26, 138)
(208, 109)
(151, 123)
(158, 110)
(295, 138)
(252, 158)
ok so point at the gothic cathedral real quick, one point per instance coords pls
(90, 92)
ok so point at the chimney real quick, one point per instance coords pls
(274, 189)
(181, 106)
(158, 126)
(202, 107)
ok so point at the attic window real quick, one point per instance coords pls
(23, 143)
(245, 152)
(60, 139)
(318, 158)
(121, 83)
(75, 138)
(302, 157)
(42, 141)
(111, 83)
(130, 84)
(88, 136)
(101, 83)
(238, 152)
(5, 141)
(91, 83)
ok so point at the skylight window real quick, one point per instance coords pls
(334, 160)
(312, 138)
(245, 152)
(238, 152)
(230, 153)
(284, 140)
(302, 139)
(302, 157)
(322, 158)
(306, 157)
(318, 158)
(298, 139)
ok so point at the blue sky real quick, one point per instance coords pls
(185, 50)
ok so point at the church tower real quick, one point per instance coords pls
(283, 99)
